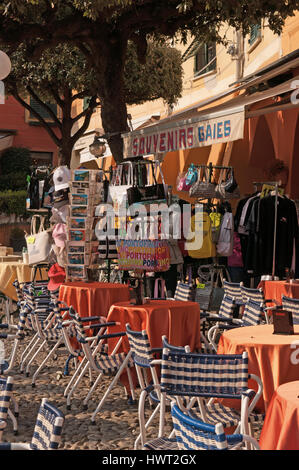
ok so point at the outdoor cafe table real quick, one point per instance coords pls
(179, 321)
(273, 358)
(281, 426)
(276, 289)
(11, 271)
(92, 298)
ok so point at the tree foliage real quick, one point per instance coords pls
(102, 29)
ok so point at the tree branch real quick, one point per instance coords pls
(44, 123)
(85, 124)
(44, 105)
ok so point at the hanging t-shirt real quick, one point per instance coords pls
(208, 248)
(226, 236)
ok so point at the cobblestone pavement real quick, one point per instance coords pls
(116, 426)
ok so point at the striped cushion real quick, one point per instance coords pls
(140, 346)
(233, 289)
(6, 386)
(204, 374)
(228, 417)
(293, 306)
(252, 314)
(112, 362)
(256, 295)
(227, 307)
(184, 292)
(48, 428)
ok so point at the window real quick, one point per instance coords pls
(41, 110)
(41, 158)
(205, 59)
(254, 34)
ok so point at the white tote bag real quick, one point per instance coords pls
(38, 242)
(117, 194)
(226, 235)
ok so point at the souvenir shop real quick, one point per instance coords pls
(73, 236)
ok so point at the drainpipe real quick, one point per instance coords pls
(240, 55)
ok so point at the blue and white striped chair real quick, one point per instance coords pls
(146, 360)
(207, 377)
(293, 306)
(6, 386)
(193, 434)
(257, 296)
(114, 363)
(47, 430)
(233, 289)
(253, 314)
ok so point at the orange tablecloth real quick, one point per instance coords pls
(179, 321)
(92, 298)
(274, 358)
(276, 289)
(13, 270)
(281, 425)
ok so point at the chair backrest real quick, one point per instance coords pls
(227, 307)
(192, 434)
(78, 325)
(6, 386)
(253, 313)
(48, 427)
(204, 375)
(140, 347)
(256, 295)
(233, 289)
(292, 305)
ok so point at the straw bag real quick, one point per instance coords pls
(185, 291)
(208, 295)
(38, 242)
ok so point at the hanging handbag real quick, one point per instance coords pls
(203, 188)
(181, 183)
(208, 295)
(153, 190)
(185, 291)
(191, 175)
(38, 242)
(227, 188)
(123, 180)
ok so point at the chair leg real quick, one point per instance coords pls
(71, 392)
(45, 361)
(91, 390)
(29, 350)
(74, 376)
(14, 421)
(33, 357)
(114, 381)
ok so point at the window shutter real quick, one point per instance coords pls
(41, 110)
(255, 32)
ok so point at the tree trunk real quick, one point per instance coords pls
(112, 96)
(66, 147)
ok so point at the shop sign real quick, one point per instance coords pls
(195, 133)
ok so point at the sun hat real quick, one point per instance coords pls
(57, 277)
(59, 235)
(61, 178)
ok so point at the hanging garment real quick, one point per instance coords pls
(226, 236)
(208, 248)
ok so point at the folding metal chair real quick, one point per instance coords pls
(47, 430)
(116, 362)
(193, 434)
(146, 360)
(253, 314)
(257, 296)
(6, 386)
(293, 306)
(206, 378)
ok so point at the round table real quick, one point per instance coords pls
(276, 289)
(12, 271)
(281, 426)
(179, 321)
(274, 358)
(92, 298)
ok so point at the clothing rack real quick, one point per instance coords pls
(275, 184)
(212, 167)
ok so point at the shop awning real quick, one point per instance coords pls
(194, 128)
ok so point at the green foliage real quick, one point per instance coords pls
(13, 181)
(160, 76)
(15, 160)
(13, 202)
(17, 233)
